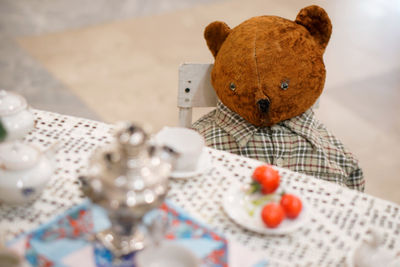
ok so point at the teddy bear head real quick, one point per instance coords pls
(269, 69)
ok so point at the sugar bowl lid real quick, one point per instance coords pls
(18, 156)
(11, 103)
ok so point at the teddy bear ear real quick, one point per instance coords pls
(215, 35)
(317, 22)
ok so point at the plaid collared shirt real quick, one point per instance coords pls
(301, 144)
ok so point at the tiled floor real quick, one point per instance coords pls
(119, 59)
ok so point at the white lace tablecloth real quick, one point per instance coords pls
(339, 217)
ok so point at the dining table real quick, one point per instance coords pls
(338, 218)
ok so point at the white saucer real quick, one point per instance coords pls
(236, 204)
(204, 164)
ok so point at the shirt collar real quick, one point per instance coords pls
(306, 126)
(237, 127)
(242, 131)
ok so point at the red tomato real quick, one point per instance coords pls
(268, 177)
(259, 172)
(272, 214)
(291, 205)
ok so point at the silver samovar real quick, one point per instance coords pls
(127, 179)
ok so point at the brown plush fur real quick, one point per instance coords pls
(253, 59)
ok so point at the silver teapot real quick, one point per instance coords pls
(128, 179)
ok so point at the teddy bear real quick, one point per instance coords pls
(268, 72)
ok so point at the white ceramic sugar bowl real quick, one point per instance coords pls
(15, 115)
(24, 172)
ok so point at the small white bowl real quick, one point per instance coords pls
(167, 254)
(187, 143)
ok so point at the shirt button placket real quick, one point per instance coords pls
(279, 162)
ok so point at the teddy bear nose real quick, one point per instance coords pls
(263, 104)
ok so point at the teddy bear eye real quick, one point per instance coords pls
(232, 86)
(285, 85)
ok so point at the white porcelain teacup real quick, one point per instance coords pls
(188, 143)
(167, 254)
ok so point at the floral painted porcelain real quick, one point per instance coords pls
(24, 172)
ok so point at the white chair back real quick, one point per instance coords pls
(195, 90)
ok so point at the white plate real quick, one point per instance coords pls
(236, 204)
(204, 164)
